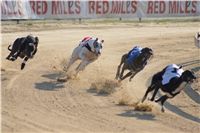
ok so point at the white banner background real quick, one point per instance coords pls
(54, 9)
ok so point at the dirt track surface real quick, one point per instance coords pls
(32, 100)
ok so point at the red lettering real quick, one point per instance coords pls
(156, 3)
(98, 7)
(14, 8)
(134, 6)
(172, 6)
(122, 8)
(3, 9)
(78, 7)
(20, 9)
(187, 3)
(181, 8)
(105, 6)
(70, 4)
(162, 7)
(114, 7)
(44, 7)
(150, 7)
(38, 7)
(91, 6)
(32, 3)
(127, 7)
(55, 7)
(194, 6)
(64, 7)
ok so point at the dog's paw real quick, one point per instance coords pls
(150, 99)
(163, 110)
(62, 79)
(22, 66)
(65, 69)
(12, 59)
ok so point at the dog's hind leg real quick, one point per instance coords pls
(12, 56)
(154, 93)
(119, 67)
(162, 99)
(150, 88)
(133, 74)
(127, 75)
(66, 67)
(8, 57)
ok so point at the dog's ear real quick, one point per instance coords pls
(102, 41)
(198, 35)
(96, 40)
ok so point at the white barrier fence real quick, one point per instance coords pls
(56, 9)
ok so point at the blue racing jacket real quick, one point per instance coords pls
(133, 54)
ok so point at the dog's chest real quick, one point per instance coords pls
(90, 56)
(180, 87)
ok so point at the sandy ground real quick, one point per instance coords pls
(33, 102)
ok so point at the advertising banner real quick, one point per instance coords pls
(56, 9)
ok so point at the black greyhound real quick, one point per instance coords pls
(25, 47)
(136, 66)
(171, 89)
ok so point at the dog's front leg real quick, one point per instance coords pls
(126, 76)
(24, 63)
(162, 99)
(82, 66)
(133, 74)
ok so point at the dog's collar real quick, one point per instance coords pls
(88, 47)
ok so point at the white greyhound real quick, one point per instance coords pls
(88, 50)
(197, 39)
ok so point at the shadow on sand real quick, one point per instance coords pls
(138, 115)
(180, 112)
(192, 94)
(184, 64)
(50, 85)
(94, 91)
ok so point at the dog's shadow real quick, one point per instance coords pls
(138, 115)
(51, 85)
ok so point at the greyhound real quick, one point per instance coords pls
(24, 47)
(171, 89)
(88, 50)
(135, 65)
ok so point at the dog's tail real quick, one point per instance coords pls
(9, 48)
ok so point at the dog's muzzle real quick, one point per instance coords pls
(193, 80)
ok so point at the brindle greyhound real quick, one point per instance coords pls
(136, 66)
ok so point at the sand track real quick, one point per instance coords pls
(32, 100)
